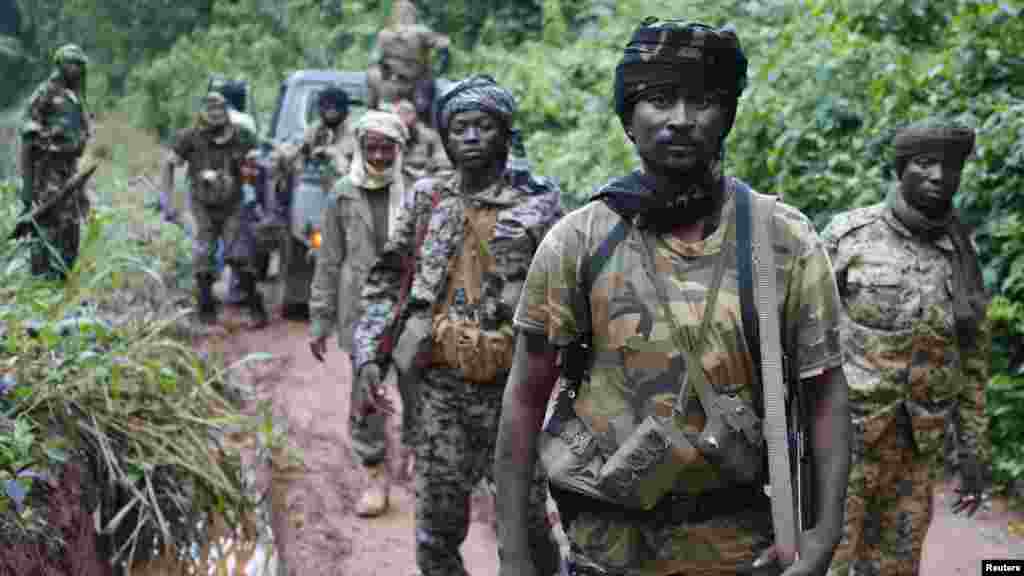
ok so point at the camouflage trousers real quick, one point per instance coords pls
(888, 504)
(459, 428)
(58, 235)
(368, 430)
(220, 224)
(55, 248)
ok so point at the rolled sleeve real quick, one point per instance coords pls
(813, 310)
(546, 303)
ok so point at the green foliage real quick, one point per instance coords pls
(102, 374)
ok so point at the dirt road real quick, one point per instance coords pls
(316, 529)
(319, 534)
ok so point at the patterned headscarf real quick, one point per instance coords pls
(669, 52)
(932, 135)
(363, 175)
(478, 92)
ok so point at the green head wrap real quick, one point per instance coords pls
(70, 53)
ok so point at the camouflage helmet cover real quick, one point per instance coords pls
(70, 53)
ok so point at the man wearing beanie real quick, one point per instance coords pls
(633, 274)
(473, 233)
(916, 347)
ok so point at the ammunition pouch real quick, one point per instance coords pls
(215, 188)
(673, 509)
(732, 438)
(479, 355)
(411, 353)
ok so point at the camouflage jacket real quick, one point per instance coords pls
(201, 152)
(527, 212)
(898, 333)
(56, 118)
(637, 367)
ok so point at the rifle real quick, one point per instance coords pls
(25, 223)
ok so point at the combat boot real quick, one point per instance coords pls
(374, 500)
(207, 305)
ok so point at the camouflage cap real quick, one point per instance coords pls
(932, 135)
(674, 52)
(479, 92)
(70, 53)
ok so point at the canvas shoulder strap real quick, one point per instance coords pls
(759, 311)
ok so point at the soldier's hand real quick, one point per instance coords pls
(318, 346)
(374, 396)
(970, 486)
(813, 560)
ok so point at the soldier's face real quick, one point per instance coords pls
(330, 113)
(216, 115)
(397, 83)
(475, 139)
(72, 70)
(379, 150)
(677, 129)
(930, 180)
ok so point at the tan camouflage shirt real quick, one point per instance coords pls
(898, 331)
(637, 366)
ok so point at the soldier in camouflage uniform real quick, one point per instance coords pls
(217, 152)
(676, 93)
(402, 59)
(479, 239)
(916, 347)
(329, 139)
(425, 155)
(360, 213)
(54, 134)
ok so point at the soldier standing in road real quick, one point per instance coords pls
(917, 350)
(235, 93)
(481, 232)
(425, 155)
(638, 318)
(328, 140)
(401, 63)
(217, 152)
(54, 134)
(359, 215)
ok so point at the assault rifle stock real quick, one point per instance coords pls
(25, 223)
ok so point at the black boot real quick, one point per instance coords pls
(207, 306)
(254, 299)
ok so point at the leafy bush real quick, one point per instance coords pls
(94, 369)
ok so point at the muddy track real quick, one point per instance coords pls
(315, 526)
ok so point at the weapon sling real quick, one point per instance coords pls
(757, 209)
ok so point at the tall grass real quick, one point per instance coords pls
(105, 373)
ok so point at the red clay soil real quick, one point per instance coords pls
(65, 514)
(313, 507)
